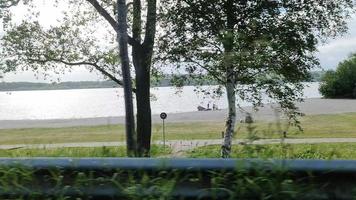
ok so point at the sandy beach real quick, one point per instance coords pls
(309, 107)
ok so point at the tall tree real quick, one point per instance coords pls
(252, 48)
(142, 52)
(122, 39)
(85, 36)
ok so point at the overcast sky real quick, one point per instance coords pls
(330, 54)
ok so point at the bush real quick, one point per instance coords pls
(342, 82)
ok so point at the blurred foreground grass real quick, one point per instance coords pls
(156, 151)
(325, 151)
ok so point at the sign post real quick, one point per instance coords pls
(163, 117)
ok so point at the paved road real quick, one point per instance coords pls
(309, 107)
(181, 146)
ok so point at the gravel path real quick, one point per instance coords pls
(309, 107)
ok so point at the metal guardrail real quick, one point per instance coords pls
(100, 178)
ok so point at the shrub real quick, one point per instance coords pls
(342, 82)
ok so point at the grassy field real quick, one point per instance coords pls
(318, 126)
(278, 151)
(282, 151)
(174, 131)
(156, 151)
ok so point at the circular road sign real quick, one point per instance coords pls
(163, 115)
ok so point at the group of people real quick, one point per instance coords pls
(215, 107)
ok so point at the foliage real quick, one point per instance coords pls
(21, 182)
(8, 3)
(259, 183)
(157, 150)
(342, 82)
(272, 42)
(325, 151)
(4, 5)
(85, 35)
(72, 42)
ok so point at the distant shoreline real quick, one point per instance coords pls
(72, 85)
(314, 106)
(92, 88)
(32, 86)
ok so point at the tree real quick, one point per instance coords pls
(252, 48)
(342, 82)
(86, 36)
(125, 66)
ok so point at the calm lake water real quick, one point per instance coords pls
(88, 103)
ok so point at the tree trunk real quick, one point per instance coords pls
(122, 38)
(230, 80)
(143, 103)
(143, 111)
(142, 59)
(230, 122)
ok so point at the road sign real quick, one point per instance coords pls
(163, 115)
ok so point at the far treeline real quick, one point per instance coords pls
(165, 82)
(26, 86)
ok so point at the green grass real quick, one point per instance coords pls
(314, 126)
(62, 135)
(110, 133)
(156, 151)
(282, 151)
(337, 125)
(318, 126)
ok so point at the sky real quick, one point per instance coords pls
(338, 49)
(329, 54)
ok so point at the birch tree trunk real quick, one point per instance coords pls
(231, 98)
(230, 79)
(231, 120)
(122, 39)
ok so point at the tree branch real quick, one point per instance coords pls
(207, 69)
(150, 24)
(96, 66)
(137, 21)
(104, 13)
(9, 3)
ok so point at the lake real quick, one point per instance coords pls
(108, 102)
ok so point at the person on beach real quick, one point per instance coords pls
(215, 107)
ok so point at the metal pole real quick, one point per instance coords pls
(164, 138)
